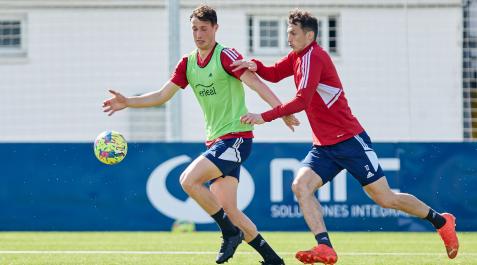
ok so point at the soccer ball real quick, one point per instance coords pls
(110, 147)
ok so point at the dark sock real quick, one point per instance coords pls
(436, 219)
(323, 238)
(264, 249)
(228, 229)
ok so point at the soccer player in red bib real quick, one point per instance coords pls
(339, 140)
(221, 97)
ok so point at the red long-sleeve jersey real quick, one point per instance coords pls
(319, 93)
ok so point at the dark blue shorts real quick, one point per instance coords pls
(229, 154)
(355, 155)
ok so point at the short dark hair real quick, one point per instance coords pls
(306, 20)
(205, 13)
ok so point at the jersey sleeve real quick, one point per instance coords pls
(179, 76)
(283, 68)
(227, 57)
(311, 70)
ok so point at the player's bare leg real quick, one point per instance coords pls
(380, 192)
(192, 180)
(304, 187)
(225, 190)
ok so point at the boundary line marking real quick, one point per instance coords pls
(121, 252)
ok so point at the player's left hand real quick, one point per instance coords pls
(291, 121)
(252, 118)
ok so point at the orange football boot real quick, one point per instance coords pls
(449, 236)
(319, 254)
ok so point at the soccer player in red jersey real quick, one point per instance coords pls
(220, 94)
(339, 141)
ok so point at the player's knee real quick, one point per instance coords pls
(300, 188)
(187, 183)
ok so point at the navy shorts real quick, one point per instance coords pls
(355, 155)
(229, 154)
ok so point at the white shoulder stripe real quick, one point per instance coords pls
(233, 52)
(230, 55)
(302, 68)
(229, 51)
(305, 69)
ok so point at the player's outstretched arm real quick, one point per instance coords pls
(281, 69)
(156, 98)
(252, 81)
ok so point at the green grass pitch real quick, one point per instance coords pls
(199, 248)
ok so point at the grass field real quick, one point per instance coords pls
(147, 248)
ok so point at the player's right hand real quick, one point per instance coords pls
(241, 64)
(117, 102)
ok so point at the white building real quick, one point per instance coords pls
(400, 63)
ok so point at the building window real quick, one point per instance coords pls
(333, 35)
(12, 35)
(250, 34)
(268, 34)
